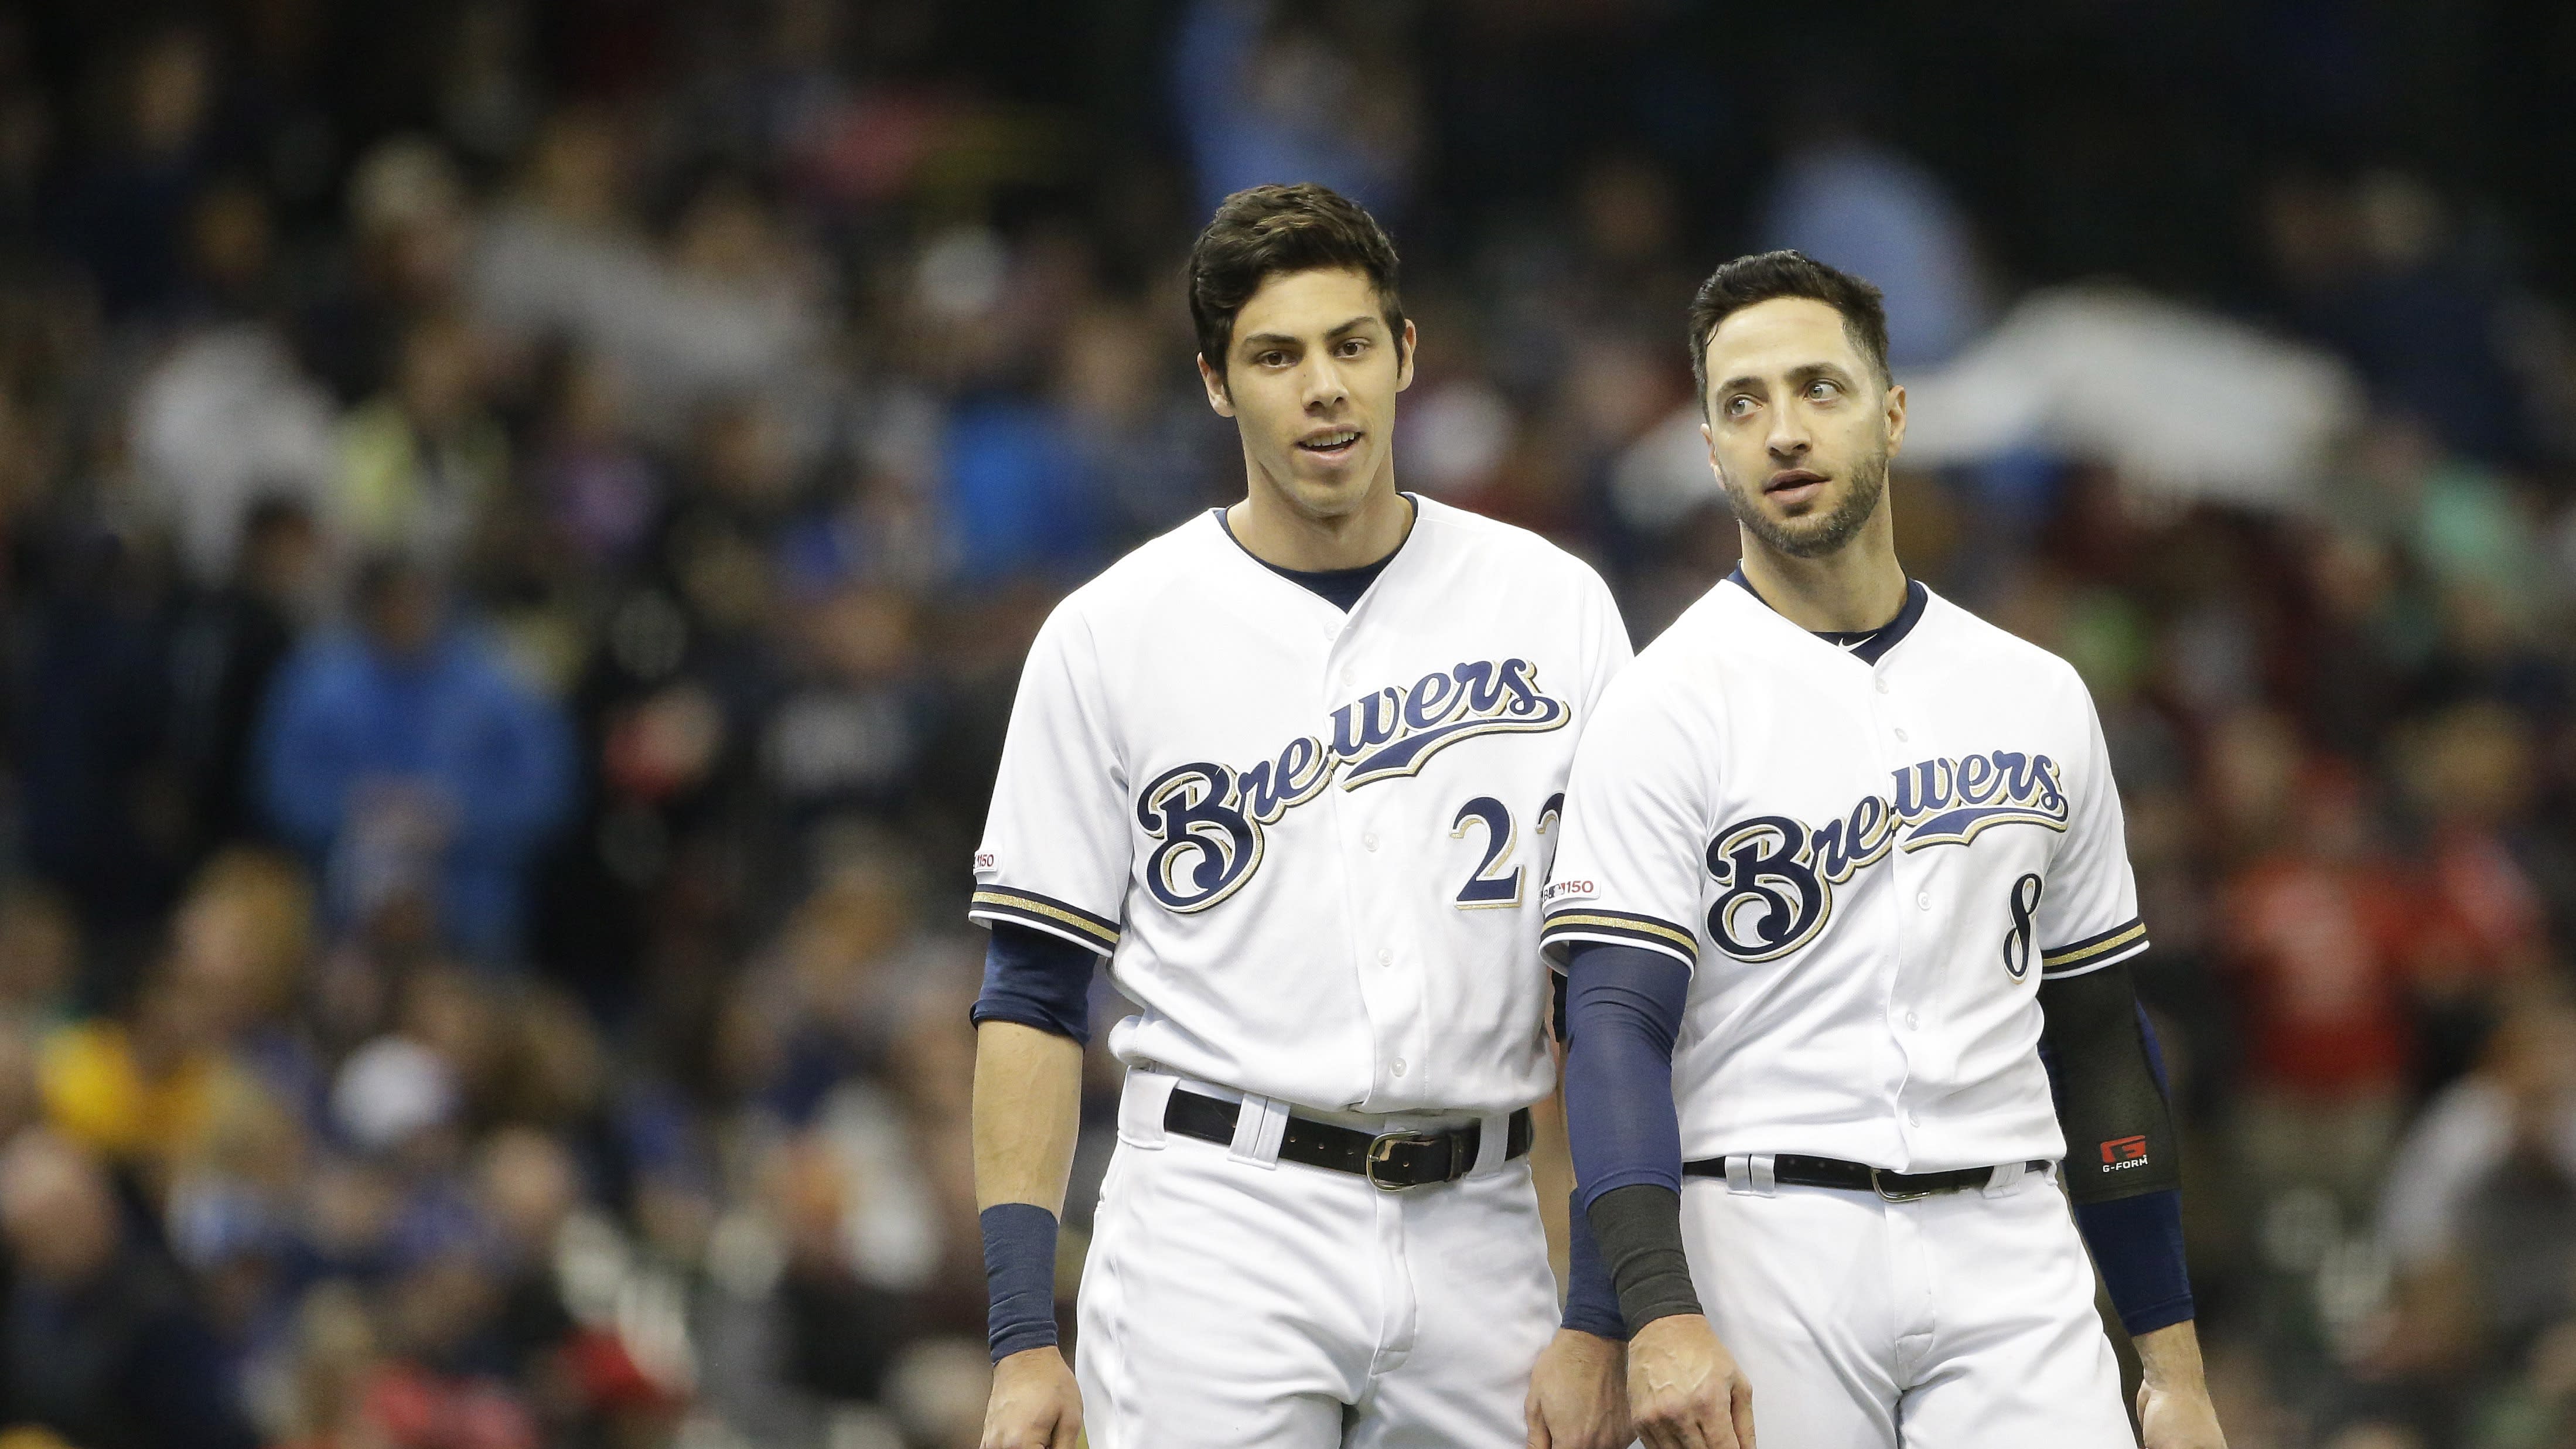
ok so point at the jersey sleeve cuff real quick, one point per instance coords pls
(2103, 948)
(1616, 928)
(1043, 913)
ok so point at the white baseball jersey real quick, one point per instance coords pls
(1869, 868)
(1311, 843)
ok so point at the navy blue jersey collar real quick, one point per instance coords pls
(1866, 645)
(1340, 588)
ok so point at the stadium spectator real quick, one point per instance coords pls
(413, 769)
(103, 1345)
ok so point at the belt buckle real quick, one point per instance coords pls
(1878, 1177)
(1381, 1151)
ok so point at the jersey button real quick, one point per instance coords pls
(1910, 1119)
(1901, 736)
(1399, 1066)
(1910, 1021)
(1922, 898)
(1385, 957)
(1369, 840)
(1882, 686)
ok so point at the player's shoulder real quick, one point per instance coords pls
(1701, 643)
(1969, 640)
(1492, 542)
(1663, 689)
(1143, 579)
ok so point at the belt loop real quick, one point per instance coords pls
(2003, 1177)
(1257, 1130)
(1493, 1141)
(1750, 1174)
(1141, 1105)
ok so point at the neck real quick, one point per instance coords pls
(1858, 586)
(1276, 532)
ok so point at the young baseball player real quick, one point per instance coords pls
(1295, 768)
(1842, 897)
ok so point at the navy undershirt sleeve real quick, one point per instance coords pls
(1037, 980)
(1623, 1013)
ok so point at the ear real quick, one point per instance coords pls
(1404, 359)
(1214, 381)
(1895, 418)
(1716, 469)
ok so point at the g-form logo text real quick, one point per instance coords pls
(1208, 817)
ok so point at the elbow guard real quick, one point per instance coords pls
(2120, 1138)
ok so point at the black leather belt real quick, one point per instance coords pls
(1389, 1160)
(1797, 1171)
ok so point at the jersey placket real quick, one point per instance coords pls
(1914, 909)
(1371, 859)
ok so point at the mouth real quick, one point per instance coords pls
(1794, 486)
(1332, 445)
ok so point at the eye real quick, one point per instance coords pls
(1739, 405)
(1823, 390)
(1353, 346)
(1272, 358)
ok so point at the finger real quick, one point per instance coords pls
(1683, 1431)
(1068, 1424)
(1742, 1405)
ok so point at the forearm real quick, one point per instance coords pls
(1028, 1101)
(1624, 1013)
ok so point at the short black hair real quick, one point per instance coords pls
(1766, 276)
(1267, 231)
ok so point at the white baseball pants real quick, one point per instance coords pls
(1964, 1318)
(1231, 1299)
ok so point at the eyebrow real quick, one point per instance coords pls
(1806, 372)
(1272, 339)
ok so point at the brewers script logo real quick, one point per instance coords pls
(1209, 817)
(1776, 876)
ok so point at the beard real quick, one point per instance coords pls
(1811, 536)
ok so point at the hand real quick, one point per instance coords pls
(1035, 1403)
(1578, 1394)
(2174, 1411)
(2171, 1417)
(1684, 1390)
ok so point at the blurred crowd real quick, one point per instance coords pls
(518, 526)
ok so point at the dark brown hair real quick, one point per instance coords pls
(1267, 231)
(1765, 276)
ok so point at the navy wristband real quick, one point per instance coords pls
(1591, 1300)
(2137, 1244)
(1019, 1276)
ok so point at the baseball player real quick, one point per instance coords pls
(1842, 890)
(1295, 769)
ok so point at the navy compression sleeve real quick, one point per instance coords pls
(2107, 1072)
(1623, 1014)
(1037, 980)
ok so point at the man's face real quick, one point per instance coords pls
(1799, 428)
(1311, 380)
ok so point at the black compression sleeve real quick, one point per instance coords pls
(2120, 1139)
(1640, 1231)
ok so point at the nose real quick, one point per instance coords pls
(1788, 440)
(1324, 384)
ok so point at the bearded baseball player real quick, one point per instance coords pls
(1842, 899)
(1295, 768)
